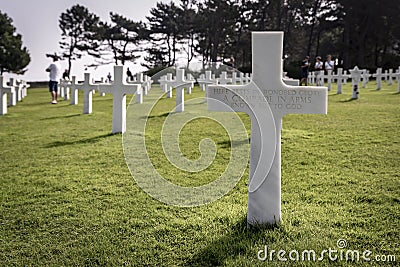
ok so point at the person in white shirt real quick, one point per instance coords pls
(54, 73)
(329, 63)
(318, 71)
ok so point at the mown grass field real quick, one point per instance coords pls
(68, 198)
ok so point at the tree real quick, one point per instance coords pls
(13, 57)
(371, 32)
(164, 29)
(76, 25)
(122, 37)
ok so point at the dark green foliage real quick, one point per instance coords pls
(76, 25)
(13, 57)
(364, 33)
(120, 38)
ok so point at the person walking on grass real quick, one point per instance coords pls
(305, 65)
(54, 73)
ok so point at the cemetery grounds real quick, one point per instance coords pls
(68, 198)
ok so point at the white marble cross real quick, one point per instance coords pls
(389, 79)
(25, 87)
(102, 80)
(236, 79)
(19, 88)
(312, 77)
(385, 75)
(267, 99)
(339, 78)
(329, 78)
(247, 78)
(74, 90)
(60, 86)
(355, 76)
(119, 89)
(208, 79)
(364, 77)
(163, 83)
(4, 90)
(319, 78)
(397, 76)
(169, 88)
(345, 79)
(87, 87)
(66, 85)
(242, 78)
(378, 75)
(143, 86)
(179, 84)
(190, 79)
(147, 83)
(140, 79)
(13, 95)
(223, 78)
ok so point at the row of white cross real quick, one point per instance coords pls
(318, 77)
(11, 93)
(118, 88)
(266, 98)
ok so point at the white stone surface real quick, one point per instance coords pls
(143, 83)
(289, 81)
(378, 75)
(163, 83)
(169, 87)
(74, 86)
(339, 77)
(319, 78)
(179, 83)
(328, 77)
(390, 77)
(88, 87)
(267, 99)
(13, 95)
(311, 77)
(4, 91)
(236, 79)
(206, 80)
(223, 78)
(101, 82)
(364, 77)
(385, 75)
(119, 89)
(191, 80)
(65, 85)
(396, 75)
(355, 76)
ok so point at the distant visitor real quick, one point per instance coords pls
(54, 73)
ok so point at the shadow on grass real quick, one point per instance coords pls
(78, 142)
(334, 94)
(348, 100)
(227, 143)
(232, 245)
(165, 114)
(397, 93)
(61, 117)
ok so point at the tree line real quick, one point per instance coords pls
(364, 33)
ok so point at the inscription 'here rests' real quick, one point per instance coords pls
(266, 100)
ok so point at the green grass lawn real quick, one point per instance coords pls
(68, 198)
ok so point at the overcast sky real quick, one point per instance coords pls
(37, 22)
